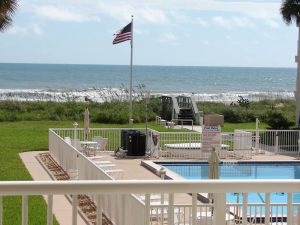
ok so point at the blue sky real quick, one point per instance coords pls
(166, 32)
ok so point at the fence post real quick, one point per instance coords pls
(276, 143)
(257, 136)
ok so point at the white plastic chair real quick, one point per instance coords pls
(101, 143)
(68, 140)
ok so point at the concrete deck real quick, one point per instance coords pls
(133, 170)
(62, 208)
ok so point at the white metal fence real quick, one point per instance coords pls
(276, 141)
(241, 144)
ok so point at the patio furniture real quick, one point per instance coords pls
(68, 140)
(163, 123)
(88, 146)
(101, 143)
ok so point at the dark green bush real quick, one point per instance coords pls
(276, 120)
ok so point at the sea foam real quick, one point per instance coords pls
(109, 94)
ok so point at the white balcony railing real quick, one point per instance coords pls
(171, 188)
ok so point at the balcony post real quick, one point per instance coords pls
(147, 209)
(24, 210)
(219, 214)
(74, 209)
(99, 210)
(49, 210)
(244, 211)
(1, 210)
(171, 209)
(194, 208)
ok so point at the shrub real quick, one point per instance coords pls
(276, 120)
(243, 102)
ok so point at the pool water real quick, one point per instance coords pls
(195, 171)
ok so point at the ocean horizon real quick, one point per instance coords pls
(60, 82)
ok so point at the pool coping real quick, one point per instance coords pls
(154, 167)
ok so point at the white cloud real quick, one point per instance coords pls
(268, 36)
(271, 23)
(222, 22)
(206, 42)
(201, 22)
(36, 29)
(31, 29)
(169, 37)
(157, 11)
(233, 22)
(58, 14)
(122, 12)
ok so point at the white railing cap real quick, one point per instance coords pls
(137, 186)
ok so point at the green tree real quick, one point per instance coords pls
(7, 9)
(290, 11)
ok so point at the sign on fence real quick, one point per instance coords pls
(211, 137)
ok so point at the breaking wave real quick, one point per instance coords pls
(109, 94)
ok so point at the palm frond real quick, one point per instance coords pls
(290, 11)
(5, 22)
(7, 8)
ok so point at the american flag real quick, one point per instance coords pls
(123, 35)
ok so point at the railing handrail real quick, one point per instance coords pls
(146, 186)
(98, 128)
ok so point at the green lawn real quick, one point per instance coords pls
(16, 137)
(230, 127)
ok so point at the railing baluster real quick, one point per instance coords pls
(99, 211)
(267, 216)
(24, 210)
(147, 209)
(49, 210)
(1, 210)
(171, 209)
(194, 208)
(289, 210)
(244, 211)
(74, 209)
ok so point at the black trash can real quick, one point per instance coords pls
(135, 143)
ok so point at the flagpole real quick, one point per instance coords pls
(130, 74)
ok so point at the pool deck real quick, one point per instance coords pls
(62, 208)
(133, 169)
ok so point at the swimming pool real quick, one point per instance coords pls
(262, 170)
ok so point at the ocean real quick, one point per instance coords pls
(59, 82)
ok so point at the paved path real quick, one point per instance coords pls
(62, 208)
